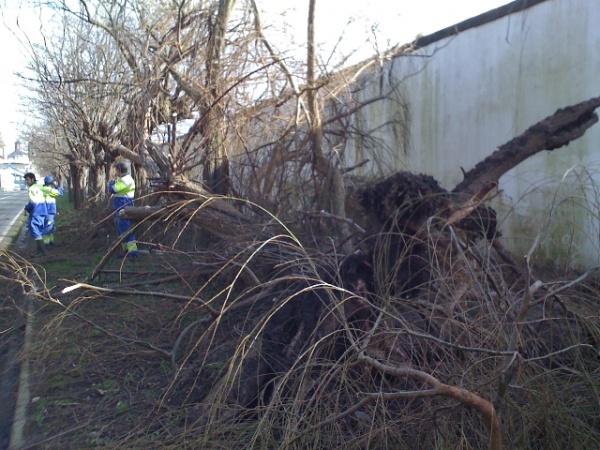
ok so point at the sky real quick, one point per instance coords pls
(357, 21)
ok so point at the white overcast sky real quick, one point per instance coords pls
(394, 21)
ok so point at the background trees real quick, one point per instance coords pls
(111, 75)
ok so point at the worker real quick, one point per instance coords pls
(51, 192)
(122, 187)
(36, 209)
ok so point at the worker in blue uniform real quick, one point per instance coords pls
(51, 192)
(36, 209)
(122, 188)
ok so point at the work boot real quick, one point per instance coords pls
(41, 249)
(130, 254)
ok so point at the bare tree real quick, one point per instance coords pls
(76, 93)
(257, 133)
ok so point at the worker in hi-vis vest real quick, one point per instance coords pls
(122, 188)
(36, 209)
(51, 192)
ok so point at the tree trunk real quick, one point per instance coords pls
(216, 166)
(79, 183)
(216, 220)
(330, 189)
(215, 214)
(555, 131)
(97, 183)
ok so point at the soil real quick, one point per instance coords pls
(12, 324)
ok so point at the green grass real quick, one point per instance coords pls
(64, 206)
(71, 268)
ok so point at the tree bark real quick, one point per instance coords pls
(218, 221)
(213, 213)
(216, 166)
(555, 131)
(331, 193)
(79, 183)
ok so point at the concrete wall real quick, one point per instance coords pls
(460, 98)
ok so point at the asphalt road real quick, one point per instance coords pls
(12, 326)
(11, 210)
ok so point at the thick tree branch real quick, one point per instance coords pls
(186, 298)
(483, 406)
(555, 131)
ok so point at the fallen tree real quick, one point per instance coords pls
(420, 241)
(423, 323)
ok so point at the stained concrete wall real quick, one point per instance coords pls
(461, 97)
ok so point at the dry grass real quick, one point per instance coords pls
(239, 364)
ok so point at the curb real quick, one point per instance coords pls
(17, 439)
(14, 361)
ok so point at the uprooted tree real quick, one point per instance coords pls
(428, 320)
